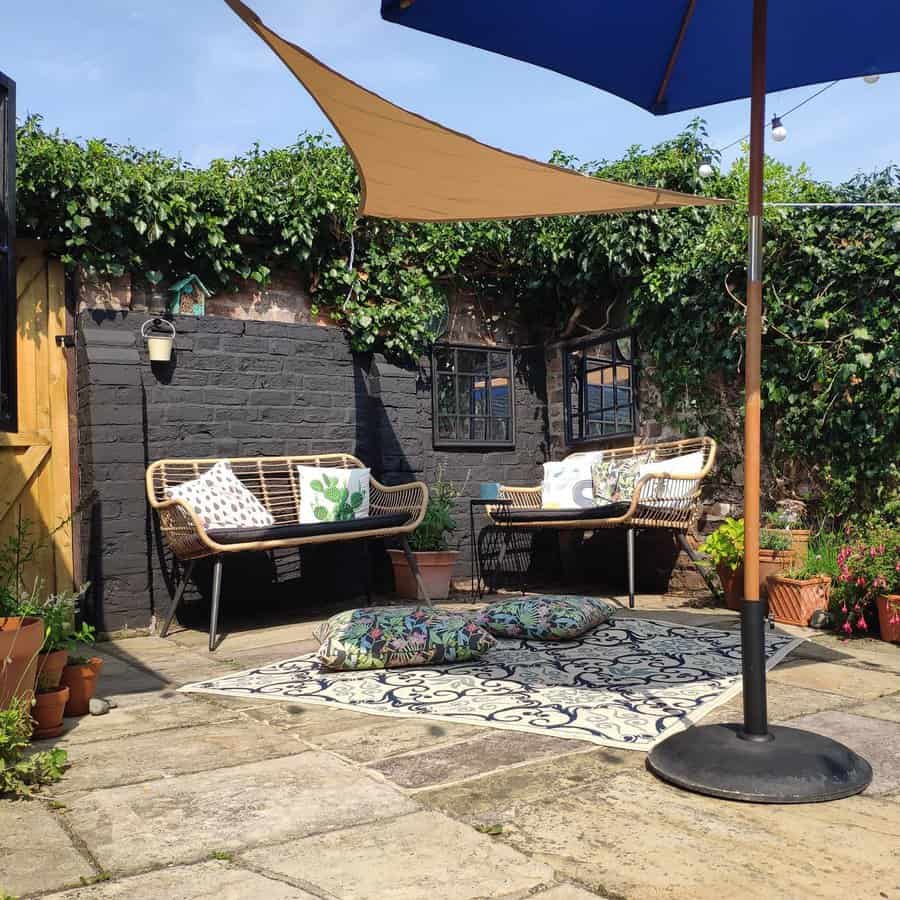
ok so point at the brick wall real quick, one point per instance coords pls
(245, 388)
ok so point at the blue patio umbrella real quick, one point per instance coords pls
(668, 56)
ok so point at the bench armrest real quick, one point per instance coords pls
(522, 497)
(182, 528)
(411, 499)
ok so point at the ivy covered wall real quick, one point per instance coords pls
(831, 379)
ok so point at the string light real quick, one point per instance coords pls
(871, 79)
(779, 132)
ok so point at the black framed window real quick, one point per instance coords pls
(8, 417)
(473, 394)
(601, 397)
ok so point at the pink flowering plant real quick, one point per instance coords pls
(868, 565)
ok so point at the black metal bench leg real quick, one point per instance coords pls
(630, 541)
(414, 566)
(695, 559)
(214, 612)
(179, 593)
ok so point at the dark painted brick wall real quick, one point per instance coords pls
(239, 388)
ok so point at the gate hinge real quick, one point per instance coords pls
(65, 340)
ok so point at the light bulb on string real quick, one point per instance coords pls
(871, 79)
(779, 132)
(705, 169)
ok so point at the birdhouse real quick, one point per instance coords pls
(188, 297)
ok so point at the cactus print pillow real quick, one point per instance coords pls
(333, 495)
(544, 617)
(394, 636)
(221, 501)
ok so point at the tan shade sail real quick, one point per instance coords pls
(416, 170)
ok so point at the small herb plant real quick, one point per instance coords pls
(438, 523)
(821, 559)
(773, 540)
(21, 771)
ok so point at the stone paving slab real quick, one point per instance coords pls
(784, 702)
(357, 736)
(639, 839)
(408, 858)
(498, 796)
(36, 854)
(183, 819)
(130, 760)
(884, 708)
(490, 750)
(252, 657)
(205, 881)
(877, 740)
(566, 892)
(167, 661)
(245, 639)
(178, 711)
(838, 679)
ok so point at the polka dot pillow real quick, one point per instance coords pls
(221, 501)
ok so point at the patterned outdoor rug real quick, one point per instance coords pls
(628, 684)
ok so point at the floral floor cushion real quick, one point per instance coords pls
(396, 636)
(544, 617)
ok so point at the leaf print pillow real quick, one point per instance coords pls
(544, 617)
(392, 637)
(333, 495)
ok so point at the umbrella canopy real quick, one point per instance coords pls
(671, 55)
(414, 169)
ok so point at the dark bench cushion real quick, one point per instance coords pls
(287, 532)
(520, 516)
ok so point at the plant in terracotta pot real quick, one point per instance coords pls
(775, 555)
(20, 770)
(868, 587)
(788, 521)
(80, 677)
(430, 546)
(798, 593)
(724, 550)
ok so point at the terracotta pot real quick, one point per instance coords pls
(20, 641)
(772, 562)
(435, 567)
(81, 680)
(792, 601)
(733, 585)
(50, 668)
(888, 608)
(47, 713)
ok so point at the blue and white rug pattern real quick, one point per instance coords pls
(627, 684)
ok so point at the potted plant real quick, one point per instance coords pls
(20, 641)
(429, 544)
(796, 594)
(868, 587)
(725, 551)
(787, 520)
(21, 770)
(80, 677)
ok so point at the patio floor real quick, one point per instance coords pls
(188, 796)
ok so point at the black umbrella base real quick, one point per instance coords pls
(793, 767)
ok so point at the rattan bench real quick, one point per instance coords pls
(659, 501)
(273, 480)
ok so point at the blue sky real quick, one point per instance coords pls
(187, 77)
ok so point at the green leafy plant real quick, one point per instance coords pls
(21, 771)
(438, 523)
(342, 505)
(725, 546)
(773, 540)
(822, 557)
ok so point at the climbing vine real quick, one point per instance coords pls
(831, 380)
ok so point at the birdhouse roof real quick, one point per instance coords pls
(180, 285)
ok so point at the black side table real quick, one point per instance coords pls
(498, 545)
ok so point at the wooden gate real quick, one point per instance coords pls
(35, 467)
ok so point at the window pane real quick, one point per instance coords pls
(623, 345)
(444, 359)
(446, 394)
(474, 429)
(472, 395)
(447, 427)
(473, 361)
(500, 430)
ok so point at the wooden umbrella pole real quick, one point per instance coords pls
(752, 622)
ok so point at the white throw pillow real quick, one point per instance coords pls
(671, 491)
(333, 495)
(567, 484)
(221, 501)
